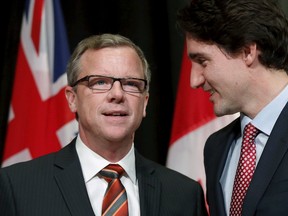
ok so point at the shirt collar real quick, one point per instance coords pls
(92, 163)
(267, 117)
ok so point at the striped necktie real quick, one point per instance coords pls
(115, 201)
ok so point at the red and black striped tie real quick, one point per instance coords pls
(115, 201)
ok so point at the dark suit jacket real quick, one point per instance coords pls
(267, 194)
(54, 185)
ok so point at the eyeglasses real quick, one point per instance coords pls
(104, 83)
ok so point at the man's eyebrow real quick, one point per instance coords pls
(194, 56)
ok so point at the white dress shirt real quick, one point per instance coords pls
(264, 121)
(92, 163)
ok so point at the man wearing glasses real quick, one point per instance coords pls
(100, 172)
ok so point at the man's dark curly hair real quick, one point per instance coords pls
(233, 24)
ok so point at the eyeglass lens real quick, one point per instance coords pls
(106, 83)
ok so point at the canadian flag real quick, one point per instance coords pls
(39, 121)
(194, 120)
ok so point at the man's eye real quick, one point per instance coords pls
(98, 82)
(201, 61)
(131, 83)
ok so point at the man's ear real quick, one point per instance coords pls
(71, 98)
(145, 104)
(250, 54)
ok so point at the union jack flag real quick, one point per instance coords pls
(39, 121)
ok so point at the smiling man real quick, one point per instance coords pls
(239, 53)
(100, 172)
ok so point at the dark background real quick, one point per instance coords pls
(149, 23)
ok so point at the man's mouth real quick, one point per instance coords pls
(115, 114)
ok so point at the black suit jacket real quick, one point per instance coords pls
(267, 194)
(54, 185)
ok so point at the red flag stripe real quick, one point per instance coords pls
(37, 17)
(192, 108)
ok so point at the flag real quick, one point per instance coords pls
(39, 119)
(193, 121)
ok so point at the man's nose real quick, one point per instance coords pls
(196, 77)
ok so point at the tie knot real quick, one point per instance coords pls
(250, 132)
(112, 171)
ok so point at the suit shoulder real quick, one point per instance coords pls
(173, 174)
(166, 174)
(35, 165)
(41, 163)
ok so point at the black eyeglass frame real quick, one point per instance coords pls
(86, 79)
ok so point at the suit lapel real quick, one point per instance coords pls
(225, 139)
(276, 147)
(69, 178)
(149, 187)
